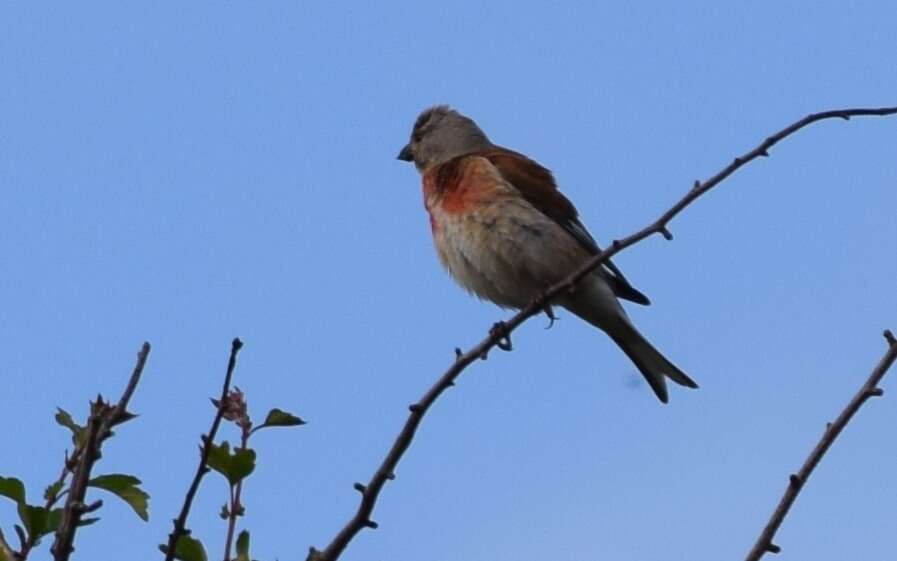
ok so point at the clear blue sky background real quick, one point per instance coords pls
(184, 173)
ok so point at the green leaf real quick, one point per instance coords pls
(187, 549)
(52, 490)
(126, 488)
(235, 467)
(86, 521)
(12, 488)
(53, 520)
(243, 546)
(279, 418)
(65, 419)
(38, 521)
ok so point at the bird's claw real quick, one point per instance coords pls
(500, 330)
(550, 313)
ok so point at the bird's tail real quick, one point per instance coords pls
(654, 366)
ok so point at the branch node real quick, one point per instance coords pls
(415, 408)
(875, 392)
(764, 153)
(795, 480)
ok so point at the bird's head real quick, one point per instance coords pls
(440, 134)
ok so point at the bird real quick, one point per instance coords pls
(504, 231)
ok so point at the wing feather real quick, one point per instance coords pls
(538, 187)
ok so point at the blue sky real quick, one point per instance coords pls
(188, 173)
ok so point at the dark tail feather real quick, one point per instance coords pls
(654, 366)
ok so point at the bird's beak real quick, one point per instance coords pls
(405, 155)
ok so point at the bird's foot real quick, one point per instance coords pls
(503, 334)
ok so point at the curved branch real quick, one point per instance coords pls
(499, 335)
(797, 480)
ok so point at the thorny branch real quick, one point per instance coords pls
(102, 419)
(499, 335)
(180, 523)
(797, 480)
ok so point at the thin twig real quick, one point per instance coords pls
(102, 418)
(499, 335)
(796, 481)
(235, 508)
(180, 523)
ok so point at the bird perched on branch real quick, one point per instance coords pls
(505, 233)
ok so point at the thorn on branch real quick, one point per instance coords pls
(875, 392)
(795, 480)
(414, 408)
(665, 232)
(889, 337)
(764, 153)
(391, 476)
(458, 353)
(696, 186)
(773, 548)
(359, 487)
(371, 524)
(737, 161)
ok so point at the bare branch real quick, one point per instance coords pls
(180, 523)
(499, 335)
(102, 418)
(796, 481)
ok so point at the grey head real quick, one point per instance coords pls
(440, 134)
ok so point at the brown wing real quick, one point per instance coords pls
(538, 187)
